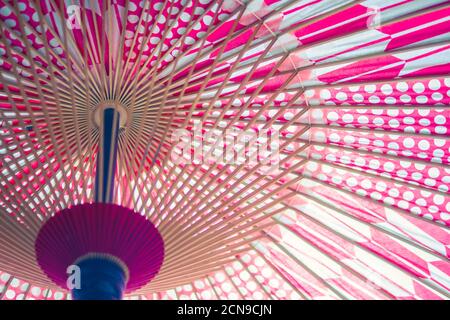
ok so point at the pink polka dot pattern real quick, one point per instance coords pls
(378, 182)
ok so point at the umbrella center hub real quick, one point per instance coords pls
(97, 113)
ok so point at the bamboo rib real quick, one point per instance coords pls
(209, 214)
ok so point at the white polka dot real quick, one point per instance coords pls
(410, 129)
(332, 116)
(433, 172)
(438, 199)
(416, 175)
(374, 164)
(424, 145)
(386, 89)
(445, 216)
(393, 192)
(347, 118)
(378, 111)
(161, 19)
(447, 82)
(325, 94)
(59, 295)
(376, 195)
(434, 84)
(10, 23)
(390, 100)
(334, 137)
(408, 120)
(342, 96)
(185, 17)
(437, 96)
(405, 98)
(378, 121)
(393, 145)
(393, 123)
(418, 87)
(389, 166)
(364, 141)
(10, 294)
(5, 11)
(336, 179)
(35, 291)
(15, 283)
(370, 88)
(408, 195)
(381, 186)
(189, 40)
(408, 143)
(374, 99)
(421, 202)
(366, 184)
(439, 119)
(358, 97)
(349, 139)
(402, 86)
(402, 173)
(424, 122)
(422, 99)
(207, 20)
(251, 286)
(351, 182)
(403, 204)
(439, 142)
(441, 130)
(154, 40)
(438, 153)
(133, 18)
(363, 120)
(317, 114)
(158, 6)
(378, 143)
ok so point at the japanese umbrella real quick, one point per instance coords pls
(356, 92)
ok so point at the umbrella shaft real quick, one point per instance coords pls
(107, 156)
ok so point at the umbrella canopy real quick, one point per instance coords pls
(350, 198)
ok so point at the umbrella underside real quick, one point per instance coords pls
(356, 94)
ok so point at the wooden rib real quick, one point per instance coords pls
(238, 289)
(5, 288)
(21, 89)
(71, 79)
(161, 140)
(432, 286)
(212, 287)
(280, 274)
(131, 157)
(386, 231)
(164, 160)
(260, 285)
(211, 103)
(229, 176)
(305, 267)
(56, 91)
(371, 200)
